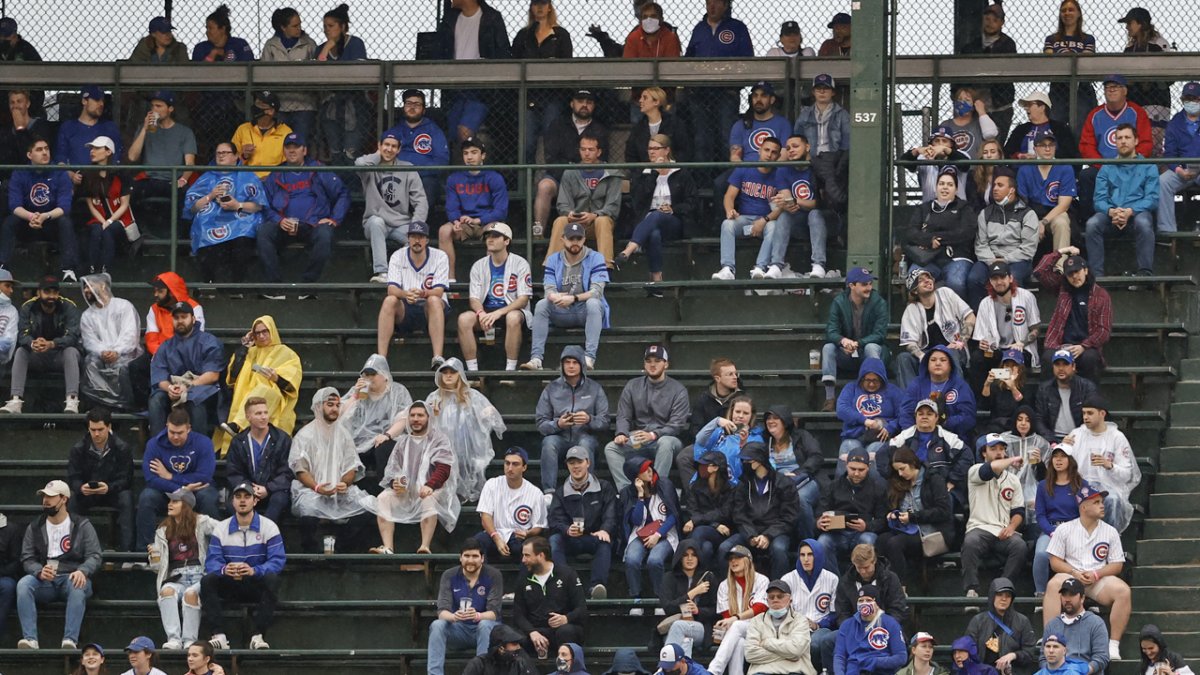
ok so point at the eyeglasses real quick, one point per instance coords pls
(414, 104)
(264, 331)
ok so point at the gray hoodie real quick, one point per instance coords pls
(559, 397)
(575, 195)
(394, 195)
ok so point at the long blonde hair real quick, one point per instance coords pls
(551, 16)
(462, 392)
(732, 585)
(982, 173)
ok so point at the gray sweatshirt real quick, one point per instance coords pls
(395, 196)
(575, 195)
(659, 407)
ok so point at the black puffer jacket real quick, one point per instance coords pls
(492, 663)
(891, 598)
(956, 224)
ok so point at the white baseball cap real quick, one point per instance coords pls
(103, 142)
(55, 488)
(499, 228)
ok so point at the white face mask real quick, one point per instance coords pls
(1192, 107)
(650, 25)
(1005, 201)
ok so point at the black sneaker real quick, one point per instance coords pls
(619, 260)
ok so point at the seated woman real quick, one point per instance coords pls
(374, 412)
(920, 650)
(655, 119)
(200, 660)
(689, 590)
(940, 238)
(177, 558)
(710, 504)
(650, 519)
(261, 366)
(729, 434)
(468, 419)
(1055, 505)
(740, 597)
(920, 509)
(1023, 441)
(664, 199)
(796, 454)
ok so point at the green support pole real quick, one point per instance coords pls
(870, 183)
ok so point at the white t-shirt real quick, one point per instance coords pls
(152, 325)
(405, 275)
(58, 538)
(153, 671)
(466, 36)
(512, 510)
(1087, 551)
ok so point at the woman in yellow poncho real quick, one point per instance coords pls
(262, 366)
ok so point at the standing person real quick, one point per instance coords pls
(417, 280)
(971, 124)
(471, 29)
(777, 641)
(689, 589)
(1154, 97)
(997, 510)
(219, 112)
(790, 42)
(826, 125)
(475, 199)
(226, 209)
(1082, 320)
(468, 607)
(261, 367)
(185, 373)
(653, 38)
(713, 110)
(394, 199)
(107, 194)
(571, 412)
(758, 123)
(870, 641)
(511, 509)
(48, 340)
(655, 119)
(583, 519)
(1182, 140)
(1098, 138)
(245, 558)
(839, 44)
(1125, 199)
(588, 197)
(420, 483)
(24, 124)
(666, 197)
(919, 509)
(1004, 636)
(176, 458)
(709, 403)
(260, 141)
(177, 559)
(993, 40)
(749, 212)
(422, 142)
(302, 204)
(1050, 190)
(39, 202)
(652, 414)
(343, 113)
(1021, 142)
(549, 609)
(100, 473)
(855, 331)
(1070, 39)
(259, 456)
(500, 289)
(541, 38)
(468, 419)
(290, 44)
(73, 546)
(741, 596)
(161, 140)
(650, 519)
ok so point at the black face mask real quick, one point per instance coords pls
(51, 511)
(258, 114)
(505, 656)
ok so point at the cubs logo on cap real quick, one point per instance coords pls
(823, 80)
(1015, 355)
(294, 139)
(656, 351)
(942, 131)
(669, 656)
(1088, 492)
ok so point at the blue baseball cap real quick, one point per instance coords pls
(1015, 355)
(160, 24)
(1046, 134)
(165, 95)
(519, 451)
(92, 91)
(1088, 492)
(390, 134)
(1116, 79)
(141, 643)
(1063, 355)
(418, 227)
(1054, 637)
(670, 655)
(942, 131)
(294, 139)
(92, 645)
(823, 80)
(764, 86)
(839, 19)
(859, 275)
(1191, 90)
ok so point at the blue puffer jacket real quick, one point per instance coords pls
(1178, 142)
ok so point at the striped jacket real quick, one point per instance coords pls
(260, 546)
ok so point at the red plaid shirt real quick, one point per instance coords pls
(1099, 308)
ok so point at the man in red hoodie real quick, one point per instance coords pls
(169, 288)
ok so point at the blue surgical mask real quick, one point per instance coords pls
(778, 613)
(963, 108)
(1192, 107)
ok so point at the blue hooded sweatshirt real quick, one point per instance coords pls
(809, 579)
(422, 145)
(972, 666)
(307, 196)
(856, 405)
(577, 663)
(195, 462)
(880, 650)
(955, 394)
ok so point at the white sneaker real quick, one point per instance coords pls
(257, 642)
(27, 644)
(68, 277)
(818, 272)
(659, 611)
(13, 406)
(172, 644)
(637, 611)
(774, 272)
(757, 272)
(532, 364)
(1114, 650)
(508, 597)
(589, 362)
(68, 643)
(219, 641)
(549, 497)
(972, 593)
(380, 278)
(71, 405)
(724, 274)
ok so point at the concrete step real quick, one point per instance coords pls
(1166, 598)
(1179, 435)
(1169, 622)
(1169, 551)
(1177, 481)
(1180, 457)
(1186, 413)
(1189, 370)
(1187, 391)
(1170, 528)
(1174, 505)
(1166, 575)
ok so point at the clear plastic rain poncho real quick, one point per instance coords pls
(367, 418)
(410, 462)
(1118, 481)
(109, 324)
(326, 452)
(468, 419)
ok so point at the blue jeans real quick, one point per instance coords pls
(562, 546)
(1100, 226)
(951, 273)
(778, 551)
(835, 360)
(456, 635)
(59, 229)
(662, 451)
(466, 110)
(810, 494)
(1169, 185)
(32, 592)
(103, 242)
(821, 645)
(850, 444)
(732, 230)
(152, 506)
(788, 226)
(318, 240)
(978, 280)
(555, 445)
(650, 234)
(300, 121)
(1041, 562)
(654, 560)
(839, 543)
(160, 406)
(588, 314)
(8, 598)
(709, 540)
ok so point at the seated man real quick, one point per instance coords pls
(59, 554)
(866, 567)
(765, 509)
(1181, 140)
(1055, 660)
(997, 509)
(244, 567)
(553, 611)
(504, 652)
(169, 290)
(115, 369)
(39, 201)
(1125, 199)
(583, 516)
(1105, 460)
(475, 198)
(326, 466)
(418, 277)
(1008, 318)
(560, 145)
(940, 451)
(869, 410)
(468, 606)
(258, 457)
(176, 458)
(48, 341)
(1050, 190)
(590, 198)
(1082, 320)
(303, 205)
(501, 287)
(1082, 633)
(1004, 635)
(419, 483)
(161, 140)
(394, 198)
(749, 212)
(511, 509)
(813, 586)
(796, 202)
(652, 415)
(262, 367)
(778, 639)
(574, 284)
(100, 473)
(185, 372)
(374, 411)
(855, 330)
(857, 497)
(571, 411)
(1060, 399)
(260, 142)
(1008, 233)
(934, 317)
(870, 641)
(422, 142)
(226, 209)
